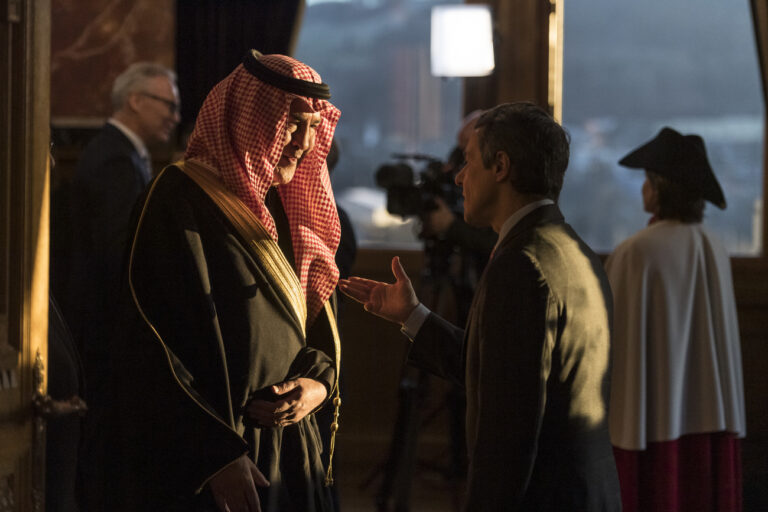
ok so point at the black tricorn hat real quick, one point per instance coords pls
(682, 159)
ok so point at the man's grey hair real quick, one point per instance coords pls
(132, 80)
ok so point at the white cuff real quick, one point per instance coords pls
(414, 322)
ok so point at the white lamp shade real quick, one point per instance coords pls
(462, 40)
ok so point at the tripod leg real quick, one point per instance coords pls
(398, 471)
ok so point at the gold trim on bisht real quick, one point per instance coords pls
(252, 230)
(336, 390)
(167, 351)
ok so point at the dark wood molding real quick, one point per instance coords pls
(521, 30)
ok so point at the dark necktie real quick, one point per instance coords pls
(146, 167)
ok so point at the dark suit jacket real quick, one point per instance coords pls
(110, 177)
(535, 363)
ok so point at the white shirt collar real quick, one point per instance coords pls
(513, 219)
(135, 139)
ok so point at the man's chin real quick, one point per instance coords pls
(474, 222)
(283, 175)
(159, 139)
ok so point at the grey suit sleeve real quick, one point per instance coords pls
(513, 358)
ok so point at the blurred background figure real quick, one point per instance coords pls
(113, 170)
(347, 251)
(677, 399)
(443, 222)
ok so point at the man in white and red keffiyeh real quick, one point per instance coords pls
(229, 341)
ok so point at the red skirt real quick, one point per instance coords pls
(696, 473)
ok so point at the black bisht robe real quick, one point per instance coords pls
(208, 326)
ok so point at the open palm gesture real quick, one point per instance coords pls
(393, 302)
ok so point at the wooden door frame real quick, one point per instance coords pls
(24, 174)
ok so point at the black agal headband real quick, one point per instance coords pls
(252, 63)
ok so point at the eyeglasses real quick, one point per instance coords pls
(174, 107)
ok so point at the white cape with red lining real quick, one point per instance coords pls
(676, 350)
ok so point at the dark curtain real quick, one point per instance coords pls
(760, 20)
(755, 445)
(213, 35)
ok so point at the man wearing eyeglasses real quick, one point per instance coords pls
(113, 171)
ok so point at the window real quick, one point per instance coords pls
(375, 57)
(630, 68)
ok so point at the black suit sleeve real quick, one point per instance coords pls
(104, 194)
(513, 361)
(438, 349)
(113, 195)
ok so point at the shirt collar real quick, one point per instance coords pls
(135, 139)
(513, 219)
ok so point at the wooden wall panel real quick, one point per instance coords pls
(522, 56)
(93, 41)
(751, 285)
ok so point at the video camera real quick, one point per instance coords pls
(407, 195)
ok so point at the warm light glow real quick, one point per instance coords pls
(555, 85)
(462, 40)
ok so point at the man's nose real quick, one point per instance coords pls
(459, 177)
(302, 138)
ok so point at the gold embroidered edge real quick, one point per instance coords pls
(157, 334)
(253, 231)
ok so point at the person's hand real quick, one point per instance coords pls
(394, 302)
(234, 488)
(295, 399)
(436, 222)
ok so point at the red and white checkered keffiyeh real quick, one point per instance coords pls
(240, 132)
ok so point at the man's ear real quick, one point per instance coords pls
(502, 167)
(132, 101)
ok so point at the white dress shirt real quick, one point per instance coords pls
(141, 148)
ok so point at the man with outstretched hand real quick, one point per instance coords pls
(534, 356)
